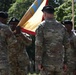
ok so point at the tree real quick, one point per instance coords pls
(19, 8)
(56, 3)
(5, 5)
(64, 11)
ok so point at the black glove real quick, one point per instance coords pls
(18, 30)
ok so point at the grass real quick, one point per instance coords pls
(33, 74)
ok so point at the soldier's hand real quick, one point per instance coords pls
(40, 67)
(75, 72)
(18, 29)
(65, 67)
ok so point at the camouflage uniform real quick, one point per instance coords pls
(23, 59)
(20, 63)
(7, 48)
(51, 39)
(71, 54)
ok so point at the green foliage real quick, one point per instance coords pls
(64, 11)
(19, 8)
(55, 3)
(5, 4)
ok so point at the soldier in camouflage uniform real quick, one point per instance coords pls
(23, 40)
(51, 40)
(70, 61)
(8, 44)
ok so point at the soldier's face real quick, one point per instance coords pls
(3, 20)
(13, 25)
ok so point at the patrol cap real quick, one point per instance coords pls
(48, 8)
(13, 19)
(69, 22)
(3, 14)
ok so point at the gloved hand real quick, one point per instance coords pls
(65, 67)
(40, 67)
(18, 30)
